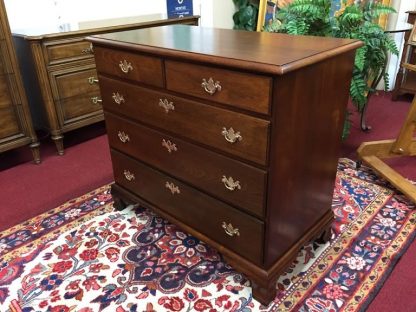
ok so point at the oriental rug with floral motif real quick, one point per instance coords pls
(84, 256)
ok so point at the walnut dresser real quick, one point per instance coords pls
(60, 77)
(16, 127)
(232, 135)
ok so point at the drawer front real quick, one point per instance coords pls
(5, 96)
(80, 106)
(5, 65)
(131, 66)
(9, 124)
(75, 82)
(202, 212)
(234, 133)
(247, 91)
(64, 51)
(228, 179)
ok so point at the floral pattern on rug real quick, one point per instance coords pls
(136, 261)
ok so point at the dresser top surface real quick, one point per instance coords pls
(268, 52)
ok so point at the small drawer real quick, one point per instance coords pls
(77, 81)
(231, 132)
(80, 106)
(242, 90)
(69, 50)
(220, 176)
(130, 66)
(215, 219)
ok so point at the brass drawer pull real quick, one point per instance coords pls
(169, 146)
(96, 100)
(123, 137)
(230, 135)
(210, 86)
(230, 184)
(128, 175)
(173, 188)
(92, 80)
(230, 230)
(166, 105)
(125, 66)
(88, 50)
(118, 98)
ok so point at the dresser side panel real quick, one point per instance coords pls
(309, 106)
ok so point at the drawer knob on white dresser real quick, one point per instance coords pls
(125, 66)
(231, 135)
(128, 175)
(118, 98)
(171, 147)
(123, 137)
(230, 230)
(166, 105)
(172, 188)
(92, 80)
(210, 86)
(230, 184)
(96, 100)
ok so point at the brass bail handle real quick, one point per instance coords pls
(123, 137)
(128, 175)
(210, 86)
(230, 230)
(230, 184)
(118, 98)
(231, 135)
(125, 66)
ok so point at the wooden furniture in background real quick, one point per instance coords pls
(373, 153)
(232, 135)
(60, 77)
(15, 122)
(406, 80)
(399, 28)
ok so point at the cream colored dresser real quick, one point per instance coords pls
(232, 135)
(60, 77)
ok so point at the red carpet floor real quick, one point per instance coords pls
(28, 190)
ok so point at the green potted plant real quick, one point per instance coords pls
(357, 20)
(246, 15)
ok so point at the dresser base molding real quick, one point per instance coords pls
(263, 279)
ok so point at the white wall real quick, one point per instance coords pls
(50, 14)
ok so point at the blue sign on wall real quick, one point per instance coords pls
(179, 8)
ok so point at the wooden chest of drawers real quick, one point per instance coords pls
(61, 80)
(16, 127)
(232, 135)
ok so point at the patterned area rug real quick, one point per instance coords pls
(83, 256)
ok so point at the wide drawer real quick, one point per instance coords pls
(64, 51)
(196, 209)
(131, 66)
(247, 91)
(75, 82)
(234, 133)
(228, 179)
